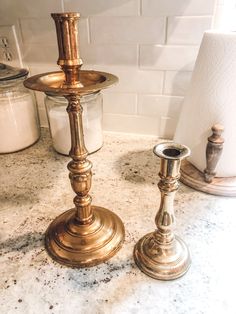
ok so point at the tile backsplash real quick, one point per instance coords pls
(151, 45)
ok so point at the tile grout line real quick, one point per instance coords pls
(140, 13)
(88, 22)
(163, 83)
(62, 6)
(166, 28)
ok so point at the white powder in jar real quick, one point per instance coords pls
(18, 122)
(60, 130)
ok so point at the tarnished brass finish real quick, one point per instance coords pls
(213, 152)
(161, 254)
(85, 235)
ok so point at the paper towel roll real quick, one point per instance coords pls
(211, 99)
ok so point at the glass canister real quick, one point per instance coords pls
(59, 122)
(19, 123)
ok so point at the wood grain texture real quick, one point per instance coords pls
(191, 176)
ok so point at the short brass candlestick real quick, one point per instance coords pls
(161, 254)
(85, 235)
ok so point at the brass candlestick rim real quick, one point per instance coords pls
(66, 15)
(54, 82)
(171, 151)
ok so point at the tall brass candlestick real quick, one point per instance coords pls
(161, 254)
(85, 235)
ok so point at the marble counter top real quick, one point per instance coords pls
(35, 189)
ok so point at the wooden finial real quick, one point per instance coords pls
(213, 152)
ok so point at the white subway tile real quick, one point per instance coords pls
(37, 68)
(165, 108)
(7, 19)
(36, 53)
(41, 109)
(120, 103)
(40, 100)
(38, 30)
(43, 31)
(177, 7)
(104, 7)
(127, 30)
(131, 124)
(132, 79)
(43, 117)
(109, 54)
(177, 83)
(219, 17)
(168, 57)
(140, 81)
(28, 8)
(159, 105)
(187, 30)
(167, 127)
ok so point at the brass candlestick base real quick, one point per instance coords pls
(73, 244)
(161, 254)
(85, 235)
(160, 261)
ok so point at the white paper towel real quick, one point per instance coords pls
(211, 99)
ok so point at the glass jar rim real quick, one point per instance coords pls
(9, 73)
(9, 84)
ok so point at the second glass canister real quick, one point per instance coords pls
(19, 124)
(59, 122)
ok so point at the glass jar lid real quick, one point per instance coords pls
(8, 73)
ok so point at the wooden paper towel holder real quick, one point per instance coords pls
(208, 181)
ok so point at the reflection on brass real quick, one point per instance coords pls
(54, 82)
(213, 152)
(161, 254)
(85, 235)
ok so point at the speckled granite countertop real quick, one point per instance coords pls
(35, 189)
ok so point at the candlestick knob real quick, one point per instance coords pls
(213, 152)
(161, 254)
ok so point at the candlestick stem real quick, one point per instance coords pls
(80, 168)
